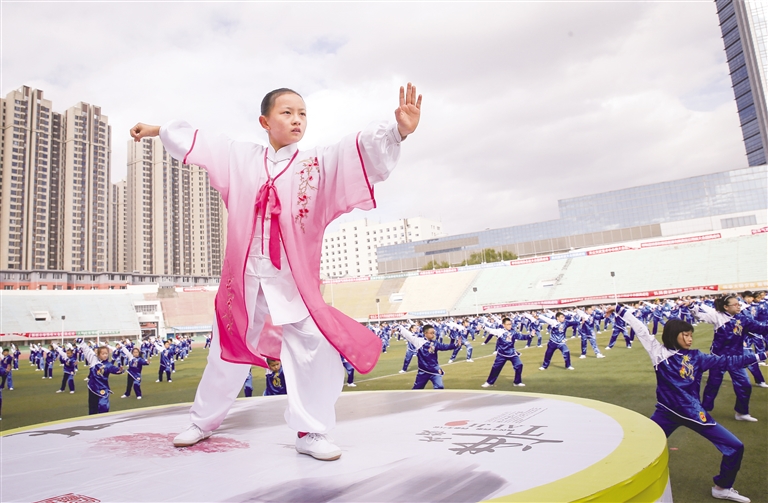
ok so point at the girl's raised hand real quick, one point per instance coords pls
(408, 113)
(140, 131)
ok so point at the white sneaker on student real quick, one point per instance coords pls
(401, 371)
(729, 494)
(600, 355)
(71, 392)
(470, 360)
(352, 385)
(745, 417)
(494, 353)
(582, 357)
(761, 384)
(59, 391)
(450, 361)
(571, 368)
(538, 346)
(486, 385)
(318, 446)
(608, 347)
(483, 344)
(124, 396)
(518, 384)
(542, 368)
(190, 436)
(763, 364)
(137, 398)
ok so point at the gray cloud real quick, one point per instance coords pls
(525, 103)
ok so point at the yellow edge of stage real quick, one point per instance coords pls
(618, 476)
(619, 471)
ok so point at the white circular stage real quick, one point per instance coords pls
(405, 446)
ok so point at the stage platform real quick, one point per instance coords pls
(404, 446)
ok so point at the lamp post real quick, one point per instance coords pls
(613, 277)
(477, 312)
(378, 315)
(62, 329)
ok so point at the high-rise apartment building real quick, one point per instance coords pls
(85, 189)
(351, 250)
(118, 232)
(745, 36)
(175, 222)
(54, 172)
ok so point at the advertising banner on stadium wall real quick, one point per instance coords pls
(631, 295)
(744, 285)
(434, 312)
(760, 230)
(522, 261)
(611, 249)
(387, 316)
(438, 271)
(346, 280)
(691, 239)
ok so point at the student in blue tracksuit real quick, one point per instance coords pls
(6, 364)
(135, 364)
(70, 365)
(460, 332)
(678, 375)
(426, 352)
(410, 350)
(505, 352)
(275, 379)
(731, 327)
(98, 377)
(50, 359)
(350, 372)
(619, 327)
(556, 340)
(589, 320)
(248, 386)
(166, 360)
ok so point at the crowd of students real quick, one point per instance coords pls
(740, 323)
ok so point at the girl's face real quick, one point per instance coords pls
(684, 340)
(103, 353)
(732, 306)
(287, 121)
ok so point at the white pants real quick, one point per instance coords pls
(314, 376)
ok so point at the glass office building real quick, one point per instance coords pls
(720, 200)
(743, 24)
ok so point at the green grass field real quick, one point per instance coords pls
(625, 378)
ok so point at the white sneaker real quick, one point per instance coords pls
(450, 361)
(608, 348)
(542, 368)
(10, 389)
(729, 494)
(538, 346)
(190, 436)
(763, 364)
(71, 392)
(169, 380)
(486, 385)
(495, 352)
(600, 355)
(758, 384)
(59, 391)
(470, 360)
(317, 446)
(520, 384)
(401, 371)
(352, 385)
(483, 344)
(137, 398)
(158, 380)
(124, 396)
(571, 368)
(745, 417)
(582, 357)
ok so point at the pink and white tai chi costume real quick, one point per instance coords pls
(269, 302)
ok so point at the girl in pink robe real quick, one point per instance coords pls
(279, 201)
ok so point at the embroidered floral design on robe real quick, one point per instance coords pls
(308, 174)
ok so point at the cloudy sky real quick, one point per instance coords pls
(524, 103)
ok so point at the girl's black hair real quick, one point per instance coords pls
(722, 301)
(269, 100)
(672, 329)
